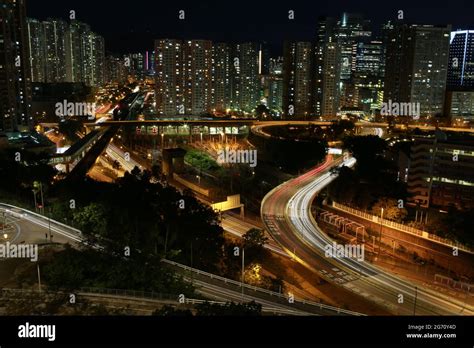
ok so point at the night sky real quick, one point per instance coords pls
(131, 26)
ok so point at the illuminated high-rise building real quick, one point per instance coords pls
(169, 86)
(351, 29)
(434, 179)
(327, 70)
(330, 80)
(298, 79)
(55, 50)
(221, 78)
(115, 70)
(75, 54)
(136, 64)
(245, 80)
(36, 42)
(368, 75)
(416, 66)
(93, 59)
(15, 80)
(461, 59)
(276, 66)
(197, 61)
(183, 77)
(275, 93)
(195, 77)
(85, 55)
(273, 86)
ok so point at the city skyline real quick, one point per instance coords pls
(237, 160)
(134, 30)
(348, 65)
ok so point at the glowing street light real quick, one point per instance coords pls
(381, 225)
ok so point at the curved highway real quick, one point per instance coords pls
(287, 217)
(31, 227)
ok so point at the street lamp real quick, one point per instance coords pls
(199, 179)
(243, 274)
(49, 224)
(4, 222)
(381, 225)
(162, 140)
(34, 197)
(38, 185)
(414, 304)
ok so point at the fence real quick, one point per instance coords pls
(257, 289)
(129, 293)
(78, 233)
(20, 212)
(403, 228)
(454, 283)
(138, 295)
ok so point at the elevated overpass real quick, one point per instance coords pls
(262, 124)
(77, 151)
(102, 140)
(255, 126)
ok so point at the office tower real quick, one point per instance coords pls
(169, 77)
(15, 81)
(263, 59)
(55, 50)
(274, 86)
(221, 78)
(461, 59)
(197, 61)
(417, 65)
(136, 64)
(351, 29)
(139, 63)
(151, 62)
(36, 42)
(367, 75)
(460, 106)
(297, 77)
(440, 172)
(276, 66)
(246, 84)
(369, 58)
